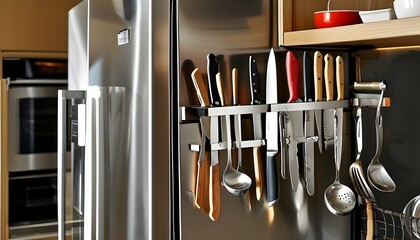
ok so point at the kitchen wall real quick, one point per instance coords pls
(400, 68)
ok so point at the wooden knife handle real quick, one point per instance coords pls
(318, 78)
(259, 175)
(339, 76)
(214, 192)
(370, 220)
(329, 76)
(202, 182)
(220, 89)
(199, 186)
(200, 88)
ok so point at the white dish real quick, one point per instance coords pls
(407, 8)
(377, 15)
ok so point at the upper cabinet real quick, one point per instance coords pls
(34, 25)
(297, 29)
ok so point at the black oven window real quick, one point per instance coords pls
(38, 125)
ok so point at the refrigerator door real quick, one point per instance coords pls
(71, 216)
(121, 58)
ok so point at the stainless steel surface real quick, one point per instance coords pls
(339, 198)
(132, 76)
(370, 86)
(78, 67)
(410, 225)
(206, 27)
(36, 82)
(377, 174)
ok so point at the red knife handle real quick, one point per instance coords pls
(214, 190)
(292, 71)
(259, 175)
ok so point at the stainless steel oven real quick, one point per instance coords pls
(33, 87)
(33, 124)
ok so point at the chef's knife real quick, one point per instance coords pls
(329, 92)
(318, 82)
(309, 124)
(202, 177)
(257, 127)
(271, 131)
(339, 77)
(294, 119)
(214, 182)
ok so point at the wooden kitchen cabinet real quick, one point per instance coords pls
(34, 25)
(297, 29)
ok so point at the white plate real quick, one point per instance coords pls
(377, 15)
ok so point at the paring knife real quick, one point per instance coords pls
(339, 76)
(294, 120)
(318, 82)
(309, 124)
(257, 127)
(271, 131)
(329, 92)
(214, 182)
(202, 173)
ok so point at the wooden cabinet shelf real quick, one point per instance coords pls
(398, 32)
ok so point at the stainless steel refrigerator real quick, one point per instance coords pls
(134, 142)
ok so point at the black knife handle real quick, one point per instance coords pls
(272, 179)
(308, 77)
(212, 70)
(253, 76)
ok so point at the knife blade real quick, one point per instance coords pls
(271, 131)
(294, 120)
(214, 181)
(257, 128)
(318, 82)
(329, 92)
(309, 124)
(202, 173)
(339, 63)
(237, 117)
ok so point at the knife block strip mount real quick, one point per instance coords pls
(193, 113)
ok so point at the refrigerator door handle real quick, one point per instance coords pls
(96, 122)
(63, 97)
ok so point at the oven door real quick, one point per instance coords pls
(33, 127)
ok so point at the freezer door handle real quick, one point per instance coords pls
(63, 97)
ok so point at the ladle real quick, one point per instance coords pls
(338, 198)
(235, 182)
(377, 174)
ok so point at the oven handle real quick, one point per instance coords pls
(63, 97)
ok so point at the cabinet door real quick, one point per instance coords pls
(34, 25)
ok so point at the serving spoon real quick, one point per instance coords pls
(377, 174)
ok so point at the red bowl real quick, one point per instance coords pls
(335, 18)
